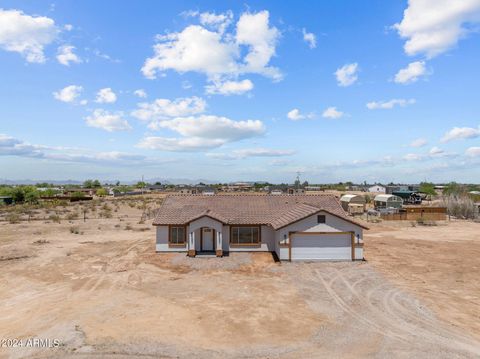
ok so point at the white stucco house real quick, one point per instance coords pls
(377, 189)
(298, 227)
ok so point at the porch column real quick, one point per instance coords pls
(191, 244)
(219, 251)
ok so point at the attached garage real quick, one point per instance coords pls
(321, 245)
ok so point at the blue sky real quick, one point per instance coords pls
(346, 90)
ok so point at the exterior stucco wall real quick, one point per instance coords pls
(267, 244)
(162, 241)
(310, 222)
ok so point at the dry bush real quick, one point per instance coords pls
(461, 207)
(128, 227)
(13, 218)
(54, 218)
(75, 230)
(72, 216)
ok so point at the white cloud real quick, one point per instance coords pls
(431, 27)
(309, 38)
(216, 127)
(65, 55)
(411, 73)
(106, 95)
(191, 144)
(140, 93)
(347, 74)
(332, 112)
(436, 151)
(68, 27)
(107, 121)
(68, 94)
(296, 115)
(25, 34)
(215, 53)
(473, 152)
(251, 152)
(161, 108)
(10, 146)
(387, 105)
(202, 132)
(229, 87)
(419, 142)
(461, 133)
(412, 157)
(218, 22)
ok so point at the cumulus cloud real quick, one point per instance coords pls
(107, 121)
(216, 127)
(140, 93)
(387, 105)
(431, 27)
(347, 75)
(473, 152)
(332, 112)
(229, 87)
(68, 94)
(411, 73)
(106, 95)
(251, 152)
(65, 55)
(296, 115)
(161, 108)
(419, 142)
(309, 38)
(25, 34)
(216, 54)
(202, 132)
(461, 133)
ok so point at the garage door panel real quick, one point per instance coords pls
(321, 247)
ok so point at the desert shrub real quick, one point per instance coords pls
(460, 206)
(128, 227)
(13, 218)
(54, 218)
(74, 230)
(72, 216)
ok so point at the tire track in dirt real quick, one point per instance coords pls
(405, 321)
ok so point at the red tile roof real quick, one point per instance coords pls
(275, 210)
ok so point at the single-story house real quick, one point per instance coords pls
(300, 227)
(377, 189)
(383, 201)
(353, 203)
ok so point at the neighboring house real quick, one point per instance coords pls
(208, 191)
(377, 189)
(276, 192)
(353, 203)
(385, 201)
(188, 191)
(301, 227)
(295, 191)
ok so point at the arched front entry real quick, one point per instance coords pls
(205, 235)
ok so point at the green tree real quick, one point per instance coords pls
(96, 184)
(18, 195)
(427, 188)
(32, 197)
(88, 183)
(102, 192)
(453, 188)
(78, 195)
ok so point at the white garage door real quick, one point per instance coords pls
(321, 246)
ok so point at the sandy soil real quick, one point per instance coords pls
(106, 293)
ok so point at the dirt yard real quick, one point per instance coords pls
(99, 287)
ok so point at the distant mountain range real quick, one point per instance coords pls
(75, 182)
